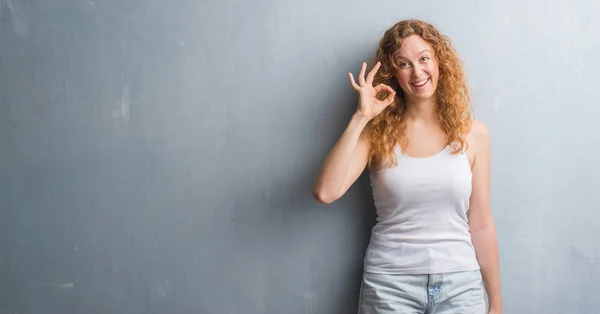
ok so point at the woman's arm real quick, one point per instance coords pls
(349, 157)
(481, 222)
(344, 163)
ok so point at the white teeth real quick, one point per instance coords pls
(420, 83)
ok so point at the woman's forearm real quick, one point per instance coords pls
(338, 166)
(486, 248)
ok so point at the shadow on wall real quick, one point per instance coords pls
(275, 232)
(287, 192)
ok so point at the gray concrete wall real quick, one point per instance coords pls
(158, 156)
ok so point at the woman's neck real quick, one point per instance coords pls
(422, 111)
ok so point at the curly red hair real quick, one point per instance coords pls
(453, 100)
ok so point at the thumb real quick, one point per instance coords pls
(391, 97)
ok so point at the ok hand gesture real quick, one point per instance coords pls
(369, 106)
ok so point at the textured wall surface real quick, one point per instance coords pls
(158, 156)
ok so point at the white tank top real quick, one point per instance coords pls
(422, 206)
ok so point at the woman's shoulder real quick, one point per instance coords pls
(479, 134)
(478, 129)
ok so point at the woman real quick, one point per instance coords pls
(433, 248)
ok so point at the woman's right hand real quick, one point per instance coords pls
(369, 106)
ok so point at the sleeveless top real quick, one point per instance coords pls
(422, 206)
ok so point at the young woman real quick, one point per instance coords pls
(433, 248)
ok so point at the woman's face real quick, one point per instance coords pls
(417, 72)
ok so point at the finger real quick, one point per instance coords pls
(352, 82)
(391, 93)
(361, 75)
(371, 75)
(384, 88)
(390, 98)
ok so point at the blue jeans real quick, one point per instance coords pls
(448, 293)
